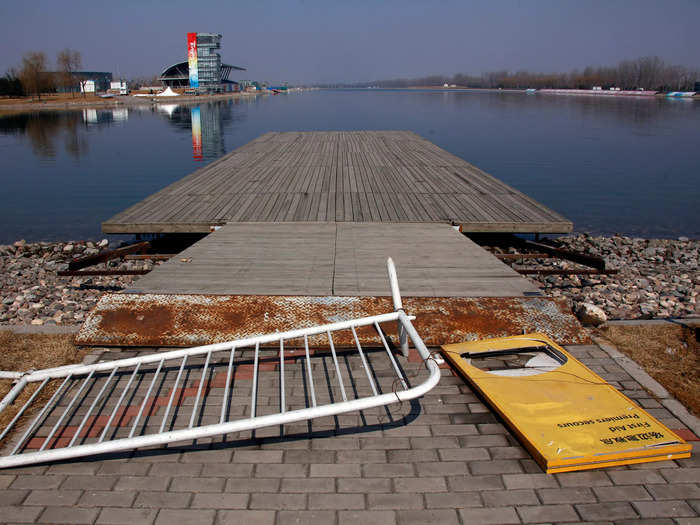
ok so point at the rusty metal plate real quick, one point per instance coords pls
(192, 320)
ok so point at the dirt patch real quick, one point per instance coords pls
(21, 352)
(669, 354)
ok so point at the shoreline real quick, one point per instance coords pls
(657, 279)
(118, 102)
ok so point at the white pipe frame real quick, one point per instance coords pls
(251, 423)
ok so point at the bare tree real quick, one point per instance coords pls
(33, 73)
(68, 62)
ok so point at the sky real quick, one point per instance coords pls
(326, 41)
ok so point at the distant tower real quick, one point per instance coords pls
(203, 60)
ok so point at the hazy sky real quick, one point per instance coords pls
(355, 40)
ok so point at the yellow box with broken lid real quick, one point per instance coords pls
(567, 416)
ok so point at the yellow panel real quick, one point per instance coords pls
(567, 417)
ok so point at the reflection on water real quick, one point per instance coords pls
(206, 122)
(609, 164)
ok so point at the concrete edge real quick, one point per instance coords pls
(650, 384)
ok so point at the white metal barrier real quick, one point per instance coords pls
(79, 380)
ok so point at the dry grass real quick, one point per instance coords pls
(669, 354)
(22, 352)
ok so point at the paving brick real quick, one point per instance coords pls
(168, 500)
(257, 456)
(167, 470)
(635, 477)
(606, 511)
(227, 470)
(498, 466)
(142, 483)
(364, 485)
(530, 481)
(361, 456)
(465, 429)
(679, 491)
(89, 482)
(281, 470)
(474, 483)
(435, 442)
(422, 484)
(621, 493)
(217, 500)
(310, 456)
(395, 501)
(452, 500)
(336, 501)
(405, 430)
(336, 443)
(11, 514)
(74, 467)
(506, 453)
(547, 513)
(119, 516)
(373, 517)
(303, 517)
(185, 517)
(407, 456)
(409, 517)
(385, 443)
(499, 515)
(568, 495)
(487, 440)
(505, 498)
(388, 470)
(685, 475)
(6, 480)
(313, 485)
(663, 509)
(106, 498)
(37, 482)
(278, 501)
(463, 454)
(52, 497)
(589, 478)
(331, 470)
(252, 485)
(123, 469)
(207, 456)
(72, 515)
(12, 497)
(197, 485)
(442, 468)
(247, 517)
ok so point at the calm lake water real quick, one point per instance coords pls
(610, 165)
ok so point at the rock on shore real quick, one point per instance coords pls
(658, 278)
(32, 293)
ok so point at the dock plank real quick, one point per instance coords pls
(354, 176)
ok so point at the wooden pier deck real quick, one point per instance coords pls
(335, 259)
(337, 176)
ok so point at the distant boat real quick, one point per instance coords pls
(106, 95)
(530, 91)
(680, 94)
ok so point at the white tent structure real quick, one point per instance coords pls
(168, 93)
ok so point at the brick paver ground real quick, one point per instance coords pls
(443, 459)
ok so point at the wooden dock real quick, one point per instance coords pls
(335, 259)
(334, 177)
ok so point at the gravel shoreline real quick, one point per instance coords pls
(658, 278)
(32, 293)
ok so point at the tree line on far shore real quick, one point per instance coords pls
(649, 73)
(32, 77)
